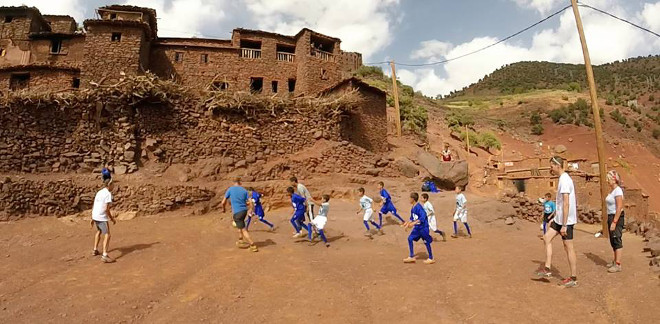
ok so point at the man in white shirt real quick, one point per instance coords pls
(302, 191)
(101, 215)
(563, 223)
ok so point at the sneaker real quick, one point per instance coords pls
(242, 244)
(444, 237)
(614, 268)
(367, 234)
(568, 283)
(543, 272)
(297, 235)
(95, 253)
(107, 259)
(429, 261)
(327, 244)
(254, 248)
(469, 236)
(610, 264)
(409, 260)
(272, 229)
(454, 236)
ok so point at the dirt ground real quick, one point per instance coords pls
(174, 268)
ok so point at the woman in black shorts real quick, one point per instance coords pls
(615, 219)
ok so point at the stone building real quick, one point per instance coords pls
(47, 52)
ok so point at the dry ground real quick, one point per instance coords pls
(176, 269)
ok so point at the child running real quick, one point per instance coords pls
(419, 222)
(320, 220)
(258, 209)
(366, 206)
(460, 213)
(298, 218)
(101, 215)
(549, 209)
(430, 214)
(387, 205)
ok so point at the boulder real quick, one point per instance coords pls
(510, 221)
(121, 169)
(241, 164)
(559, 149)
(373, 172)
(407, 167)
(446, 175)
(124, 216)
(318, 135)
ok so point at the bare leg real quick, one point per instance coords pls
(547, 238)
(106, 243)
(572, 259)
(240, 234)
(246, 235)
(617, 255)
(97, 239)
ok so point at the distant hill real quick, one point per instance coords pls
(629, 78)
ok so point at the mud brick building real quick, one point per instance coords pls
(47, 52)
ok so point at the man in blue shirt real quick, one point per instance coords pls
(387, 205)
(419, 223)
(238, 197)
(298, 218)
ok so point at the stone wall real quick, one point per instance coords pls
(367, 126)
(41, 80)
(71, 53)
(19, 197)
(61, 24)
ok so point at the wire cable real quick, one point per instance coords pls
(581, 4)
(483, 48)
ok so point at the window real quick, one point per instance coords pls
(178, 57)
(273, 85)
(256, 84)
(113, 16)
(18, 81)
(292, 85)
(552, 184)
(204, 58)
(76, 83)
(55, 46)
(116, 37)
(250, 49)
(8, 19)
(220, 86)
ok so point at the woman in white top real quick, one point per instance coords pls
(615, 219)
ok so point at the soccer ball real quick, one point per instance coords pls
(233, 223)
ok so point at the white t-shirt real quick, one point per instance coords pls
(566, 186)
(461, 209)
(302, 191)
(611, 200)
(101, 201)
(428, 208)
(365, 202)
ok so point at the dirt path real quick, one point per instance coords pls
(174, 269)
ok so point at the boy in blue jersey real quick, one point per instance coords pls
(549, 209)
(386, 205)
(258, 211)
(419, 223)
(298, 218)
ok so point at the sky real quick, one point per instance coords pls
(413, 31)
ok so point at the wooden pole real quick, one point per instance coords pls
(467, 157)
(395, 91)
(600, 146)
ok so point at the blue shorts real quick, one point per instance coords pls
(259, 211)
(388, 208)
(418, 233)
(299, 216)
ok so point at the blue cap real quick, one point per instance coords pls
(106, 174)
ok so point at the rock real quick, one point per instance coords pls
(382, 163)
(251, 159)
(228, 161)
(373, 172)
(150, 143)
(124, 216)
(559, 149)
(654, 248)
(570, 140)
(510, 221)
(241, 164)
(129, 156)
(121, 169)
(406, 167)
(447, 175)
(318, 135)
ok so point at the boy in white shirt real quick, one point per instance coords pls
(366, 205)
(430, 214)
(321, 220)
(101, 215)
(460, 212)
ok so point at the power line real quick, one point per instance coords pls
(617, 18)
(483, 48)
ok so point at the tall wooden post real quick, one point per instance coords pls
(395, 91)
(467, 142)
(600, 146)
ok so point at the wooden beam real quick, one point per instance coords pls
(395, 92)
(600, 145)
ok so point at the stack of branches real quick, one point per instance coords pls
(251, 105)
(130, 90)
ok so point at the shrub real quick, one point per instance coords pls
(651, 98)
(459, 118)
(535, 119)
(488, 140)
(414, 118)
(565, 98)
(610, 100)
(656, 133)
(617, 116)
(537, 129)
(370, 71)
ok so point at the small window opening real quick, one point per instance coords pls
(8, 19)
(552, 184)
(273, 85)
(292, 85)
(286, 48)
(256, 84)
(204, 58)
(250, 44)
(18, 81)
(322, 44)
(113, 16)
(116, 37)
(76, 83)
(220, 86)
(178, 57)
(55, 46)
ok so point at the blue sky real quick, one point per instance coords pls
(412, 31)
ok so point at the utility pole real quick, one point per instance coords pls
(395, 90)
(600, 146)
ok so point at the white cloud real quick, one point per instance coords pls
(433, 50)
(608, 40)
(543, 6)
(72, 8)
(366, 27)
(184, 18)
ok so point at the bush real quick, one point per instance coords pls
(537, 129)
(651, 98)
(535, 119)
(414, 118)
(610, 100)
(565, 98)
(370, 71)
(656, 133)
(617, 116)
(487, 140)
(459, 118)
